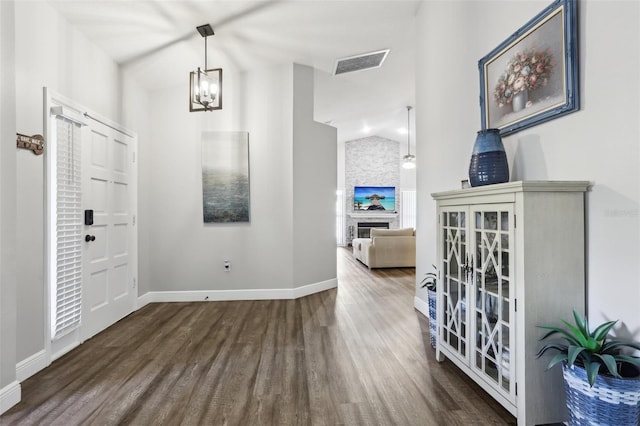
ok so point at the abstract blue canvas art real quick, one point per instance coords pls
(225, 177)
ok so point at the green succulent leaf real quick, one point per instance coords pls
(601, 332)
(581, 323)
(570, 337)
(586, 357)
(593, 345)
(610, 362)
(553, 331)
(557, 346)
(573, 353)
(592, 372)
(430, 280)
(615, 345)
(628, 359)
(577, 334)
(557, 359)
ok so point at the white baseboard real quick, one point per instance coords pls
(10, 395)
(421, 306)
(230, 295)
(65, 343)
(306, 290)
(30, 366)
(145, 299)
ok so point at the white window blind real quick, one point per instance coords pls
(68, 290)
(340, 237)
(409, 209)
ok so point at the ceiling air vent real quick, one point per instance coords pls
(364, 61)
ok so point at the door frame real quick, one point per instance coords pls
(64, 344)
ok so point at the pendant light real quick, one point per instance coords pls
(409, 161)
(205, 86)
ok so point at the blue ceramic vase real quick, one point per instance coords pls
(488, 160)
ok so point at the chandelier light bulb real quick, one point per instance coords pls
(409, 162)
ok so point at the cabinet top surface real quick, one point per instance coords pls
(518, 186)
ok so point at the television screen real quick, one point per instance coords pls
(377, 198)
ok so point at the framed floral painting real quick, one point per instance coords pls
(532, 77)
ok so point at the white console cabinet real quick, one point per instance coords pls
(510, 258)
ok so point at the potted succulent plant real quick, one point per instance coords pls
(602, 383)
(430, 282)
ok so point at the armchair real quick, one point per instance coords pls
(387, 248)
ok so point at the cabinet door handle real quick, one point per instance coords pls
(468, 266)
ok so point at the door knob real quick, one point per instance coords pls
(88, 238)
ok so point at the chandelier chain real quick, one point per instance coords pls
(408, 130)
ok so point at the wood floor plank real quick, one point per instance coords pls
(355, 355)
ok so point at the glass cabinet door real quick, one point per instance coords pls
(493, 310)
(454, 281)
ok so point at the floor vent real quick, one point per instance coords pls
(364, 61)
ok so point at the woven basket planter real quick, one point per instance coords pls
(433, 331)
(610, 401)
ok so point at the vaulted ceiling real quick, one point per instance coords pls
(157, 42)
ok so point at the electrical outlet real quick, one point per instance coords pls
(227, 266)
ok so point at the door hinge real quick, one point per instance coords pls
(134, 282)
(515, 222)
(134, 220)
(134, 156)
(515, 304)
(516, 388)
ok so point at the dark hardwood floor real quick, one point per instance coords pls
(356, 355)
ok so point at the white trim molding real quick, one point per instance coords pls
(309, 289)
(10, 395)
(231, 295)
(421, 306)
(30, 366)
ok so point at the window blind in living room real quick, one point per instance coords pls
(340, 220)
(408, 201)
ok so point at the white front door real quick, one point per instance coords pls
(109, 188)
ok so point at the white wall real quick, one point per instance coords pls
(59, 57)
(314, 187)
(7, 210)
(599, 143)
(187, 254)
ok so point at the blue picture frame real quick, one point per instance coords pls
(532, 76)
